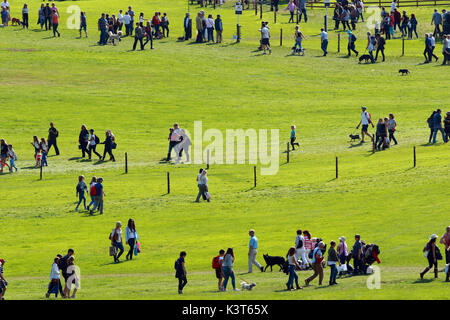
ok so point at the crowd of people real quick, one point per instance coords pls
(205, 27)
(94, 191)
(88, 142)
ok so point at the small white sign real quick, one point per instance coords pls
(238, 8)
(327, 3)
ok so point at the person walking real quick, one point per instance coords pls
(324, 41)
(72, 278)
(138, 36)
(436, 20)
(63, 265)
(308, 245)
(294, 137)
(92, 192)
(302, 10)
(445, 240)
(81, 189)
(103, 28)
(381, 133)
(131, 14)
(317, 264)
(300, 252)
(298, 35)
(41, 17)
(332, 260)
(351, 43)
(12, 158)
(93, 141)
(219, 29)
(52, 136)
(48, 16)
(252, 252)
(131, 237)
(109, 145)
(342, 251)
(83, 23)
(83, 140)
(432, 254)
(437, 126)
(55, 23)
(371, 43)
(180, 272)
(380, 43)
(210, 28)
(44, 151)
(392, 125)
(446, 126)
(116, 240)
(365, 121)
(99, 194)
(187, 23)
(292, 265)
(291, 7)
(202, 183)
(4, 150)
(228, 272)
(148, 34)
(217, 265)
(25, 16)
(265, 36)
(53, 286)
(412, 26)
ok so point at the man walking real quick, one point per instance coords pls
(252, 251)
(437, 21)
(103, 29)
(324, 41)
(302, 9)
(351, 43)
(98, 199)
(63, 265)
(437, 126)
(317, 264)
(365, 120)
(380, 46)
(138, 36)
(52, 135)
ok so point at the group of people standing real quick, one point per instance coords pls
(433, 254)
(205, 27)
(179, 141)
(435, 124)
(65, 266)
(346, 13)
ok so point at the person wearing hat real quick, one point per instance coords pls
(252, 251)
(342, 251)
(116, 240)
(3, 282)
(365, 120)
(431, 253)
(351, 43)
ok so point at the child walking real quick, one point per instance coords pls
(81, 188)
(293, 138)
(12, 158)
(44, 149)
(180, 273)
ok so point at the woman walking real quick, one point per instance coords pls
(37, 150)
(392, 124)
(83, 140)
(293, 264)
(308, 244)
(331, 261)
(412, 26)
(228, 271)
(4, 150)
(298, 41)
(202, 182)
(432, 254)
(41, 16)
(109, 145)
(81, 189)
(343, 252)
(116, 240)
(291, 7)
(43, 145)
(53, 286)
(92, 185)
(55, 22)
(317, 264)
(131, 237)
(72, 278)
(83, 23)
(25, 16)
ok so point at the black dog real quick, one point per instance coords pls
(354, 137)
(403, 71)
(273, 261)
(365, 57)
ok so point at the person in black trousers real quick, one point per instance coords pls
(25, 16)
(93, 140)
(187, 23)
(380, 46)
(48, 17)
(52, 135)
(83, 140)
(431, 255)
(109, 141)
(138, 36)
(180, 273)
(148, 33)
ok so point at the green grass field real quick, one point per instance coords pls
(139, 95)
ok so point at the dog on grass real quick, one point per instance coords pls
(247, 286)
(273, 261)
(365, 57)
(403, 71)
(15, 21)
(354, 137)
(113, 37)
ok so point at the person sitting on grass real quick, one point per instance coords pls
(365, 120)
(180, 272)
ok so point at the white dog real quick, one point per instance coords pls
(113, 37)
(247, 286)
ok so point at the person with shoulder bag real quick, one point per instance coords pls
(116, 241)
(432, 254)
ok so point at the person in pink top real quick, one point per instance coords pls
(55, 22)
(291, 7)
(308, 244)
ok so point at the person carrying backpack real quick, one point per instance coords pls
(217, 265)
(432, 254)
(81, 188)
(180, 272)
(351, 43)
(93, 142)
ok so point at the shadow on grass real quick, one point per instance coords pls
(74, 158)
(30, 167)
(252, 188)
(356, 145)
(423, 281)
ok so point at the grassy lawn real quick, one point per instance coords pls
(139, 95)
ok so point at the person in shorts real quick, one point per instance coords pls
(365, 121)
(265, 36)
(219, 270)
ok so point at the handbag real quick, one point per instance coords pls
(112, 251)
(137, 249)
(438, 254)
(207, 195)
(113, 145)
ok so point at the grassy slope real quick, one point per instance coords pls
(72, 81)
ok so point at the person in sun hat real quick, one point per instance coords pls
(3, 282)
(431, 253)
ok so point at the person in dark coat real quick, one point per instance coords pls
(52, 135)
(83, 140)
(109, 142)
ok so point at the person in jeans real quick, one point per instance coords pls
(102, 27)
(180, 272)
(431, 255)
(357, 255)
(324, 41)
(55, 23)
(98, 202)
(131, 237)
(138, 36)
(109, 140)
(351, 43)
(342, 252)
(25, 16)
(331, 261)
(202, 182)
(83, 24)
(210, 28)
(381, 133)
(219, 29)
(252, 252)
(317, 264)
(437, 21)
(292, 261)
(116, 240)
(300, 252)
(380, 46)
(392, 124)
(92, 185)
(445, 240)
(93, 139)
(291, 7)
(228, 272)
(437, 126)
(148, 34)
(81, 188)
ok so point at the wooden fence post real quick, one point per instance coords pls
(403, 46)
(414, 156)
(40, 175)
(254, 175)
(337, 169)
(297, 15)
(287, 153)
(207, 159)
(275, 16)
(260, 9)
(256, 7)
(126, 162)
(168, 183)
(339, 42)
(281, 37)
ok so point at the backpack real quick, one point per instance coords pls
(97, 140)
(93, 191)
(373, 40)
(177, 265)
(300, 244)
(353, 38)
(216, 263)
(62, 263)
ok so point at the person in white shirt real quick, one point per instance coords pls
(120, 19)
(53, 286)
(116, 240)
(131, 237)
(365, 120)
(182, 146)
(300, 252)
(265, 36)
(93, 139)
(433, 46)
(293, 264)
(210, 28)
(393, 6)
(360, 8)
(324, 41)
(127, 23)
